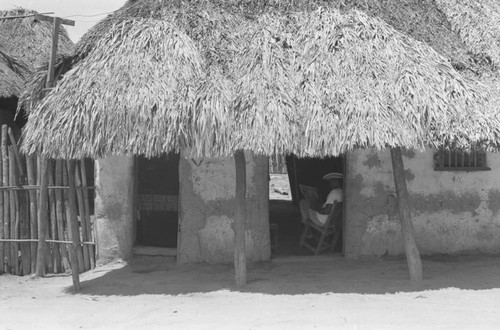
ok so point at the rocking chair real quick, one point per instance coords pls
(320, 238)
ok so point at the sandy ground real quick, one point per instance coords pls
(323, 292)
(299, 292)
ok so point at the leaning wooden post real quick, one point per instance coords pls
(43, 220)
(411, 250)
(240, 267)
(73, 226)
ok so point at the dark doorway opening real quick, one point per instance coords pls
(158, 196)
(284, 214)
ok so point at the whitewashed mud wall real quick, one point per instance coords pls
(452, 212)
(206, 210)
(114, 208)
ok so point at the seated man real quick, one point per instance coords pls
(319, 213)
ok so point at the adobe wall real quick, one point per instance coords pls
(206, 209)
(452, 212)
(114, 208)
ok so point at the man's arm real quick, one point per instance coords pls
(323, 209)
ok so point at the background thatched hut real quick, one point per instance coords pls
(25, 45)
(12, 75)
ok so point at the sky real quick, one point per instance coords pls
(89, 11)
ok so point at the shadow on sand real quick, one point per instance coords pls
(294, 275)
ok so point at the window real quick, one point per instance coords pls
(458, 160)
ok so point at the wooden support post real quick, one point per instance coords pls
(42, 219)
(31, 171)
(411, 250)
(83, 216)
(14, 216)
(56, 257)
(24, 232)
(6, 205)
(60, 215)
(240, 267)
(73, 226)
(87, 212)
(1, 215)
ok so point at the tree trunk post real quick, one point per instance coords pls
(411, 250)
(240, 267)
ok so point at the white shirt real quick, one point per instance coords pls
(333, 196)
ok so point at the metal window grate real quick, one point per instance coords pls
(459, 160)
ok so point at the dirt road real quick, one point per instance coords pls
(325, 292)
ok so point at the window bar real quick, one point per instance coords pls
(456, 158)
(449, 158)
(463, 158)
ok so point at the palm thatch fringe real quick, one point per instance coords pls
(478, 24)
(13, 72)
(35, 85)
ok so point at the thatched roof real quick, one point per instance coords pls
(145, 84)
(358, 83)
(478, 24)
(12, 75)
(302, 86)
(421, 19)
(25, 45)
(28, 39)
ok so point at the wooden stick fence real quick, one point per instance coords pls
(69, 243)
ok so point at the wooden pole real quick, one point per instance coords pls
(87, 213)
(60, 215)
(56, 258)
(411, 250)
(66, 181)
(24, 232)
(14, 216)
(240, 267)
(6, 198)
(42, 211)
(31, 170)
(73, 226)
(83, 216)
(2, 268)
(42, 219)
(22, 222)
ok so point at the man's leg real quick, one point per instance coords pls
(304, 210)
(313, 215)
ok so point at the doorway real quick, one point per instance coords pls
(284, 214)
(158, 198)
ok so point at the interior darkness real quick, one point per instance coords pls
(157, 177)
(285, 215)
